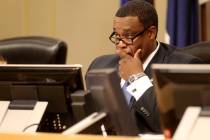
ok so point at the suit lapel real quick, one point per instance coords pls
(161, 57)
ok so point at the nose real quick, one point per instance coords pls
(121, 45)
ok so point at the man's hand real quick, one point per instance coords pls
(129, 65)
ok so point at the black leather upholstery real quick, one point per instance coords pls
(201, 50)
(33, 50)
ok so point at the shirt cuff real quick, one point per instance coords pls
(139, 86)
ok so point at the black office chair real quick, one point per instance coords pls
(200, 50)
(33, 50)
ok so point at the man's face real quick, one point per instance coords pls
(126, 28)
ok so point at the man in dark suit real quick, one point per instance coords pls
(134, 34)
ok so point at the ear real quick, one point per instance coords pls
(152, 32)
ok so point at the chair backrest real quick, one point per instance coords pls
(200, 50)
(33, 50)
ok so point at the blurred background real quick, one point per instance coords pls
(84, 25)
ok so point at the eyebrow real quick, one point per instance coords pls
(126, 32)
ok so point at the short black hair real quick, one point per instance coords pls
(145, 12)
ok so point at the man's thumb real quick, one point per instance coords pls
(137, 54)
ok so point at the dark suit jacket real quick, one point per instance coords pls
(145, 109)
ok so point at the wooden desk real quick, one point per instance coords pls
(48, 136)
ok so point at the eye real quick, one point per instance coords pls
(129, 35)
(116, 35)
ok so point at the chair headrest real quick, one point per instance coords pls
(33, 50)
(200, 50)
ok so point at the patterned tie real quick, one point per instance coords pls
(126, 94)
(132, 102)
(129, 98)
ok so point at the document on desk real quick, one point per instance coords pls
(151, 137)
(201, 129)
(21, 120)
(3, 109)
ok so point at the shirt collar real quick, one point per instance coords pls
(149, 58)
